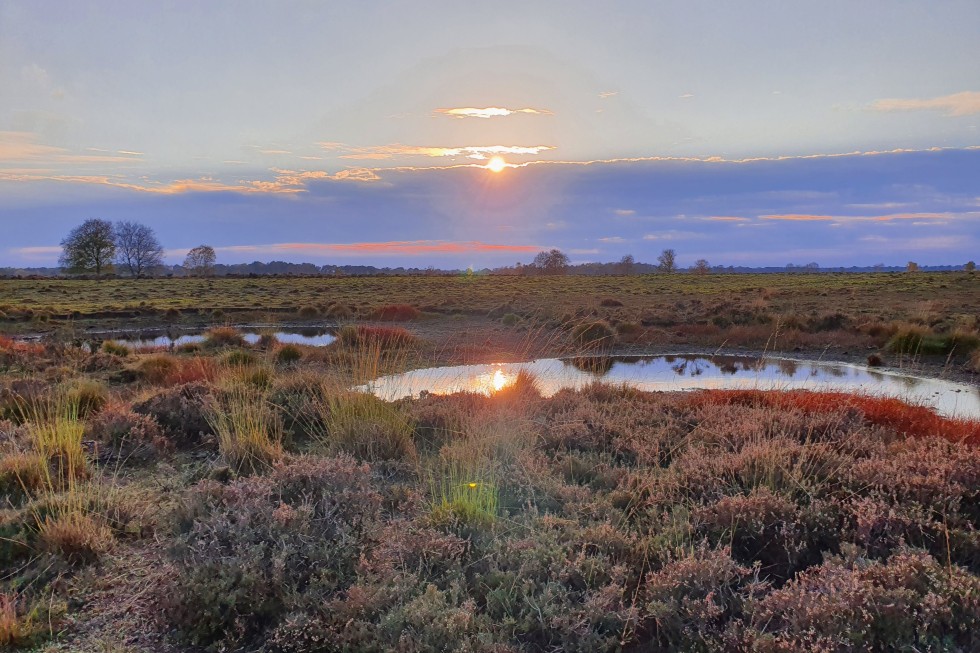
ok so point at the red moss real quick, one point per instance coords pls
(915, 421)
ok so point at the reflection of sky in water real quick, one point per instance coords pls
(668, 373)
(312, 337)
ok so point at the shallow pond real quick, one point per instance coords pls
(315, 337)
(688, 372)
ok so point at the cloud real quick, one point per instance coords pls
(489, 112)
(957, 104)
(799, 217)
(624, 212)
(24, 147)
(40, 253)
(685, 96)
(400, 247)
(608, 94)
(725, 218)
(803, 217)
(612, 239)
(477, 152)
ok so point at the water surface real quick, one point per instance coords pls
(312, 336)
(689, 372)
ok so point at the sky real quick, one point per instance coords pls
(453, 134)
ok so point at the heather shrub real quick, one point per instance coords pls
(126, 435)
(510, 319)
(182, 413)
(769, 530)
(910, 602)
(251, 553)
(610, 302)
(690, 601)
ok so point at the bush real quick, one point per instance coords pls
(22, 474)
(360, 336)
(309, 312)
(610, 302)
(219, 337)
(691, 600)
(396, 313)
(338, 312)
(182, 413)
(289, 355)
(510, 319)
(240, 358)
(157, 369)
(910, 602)
(115, 348)
(254, 552)
(127, 435)
(594, 335)
(77, 537)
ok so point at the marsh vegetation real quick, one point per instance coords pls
(238, 495)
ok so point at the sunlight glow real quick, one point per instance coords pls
(499, 381)
(496, 164)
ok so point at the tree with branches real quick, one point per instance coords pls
(89, 247)
(551, 262)
(137, 248)
(200, 261)
(667, 261)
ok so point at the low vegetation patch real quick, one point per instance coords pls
(396, 313)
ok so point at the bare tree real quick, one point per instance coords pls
(970, 266)
(667, 260)
(137, 248)
(701, 266)
(625, 265)
(200, 260)
(912, 267)
(552, 262)
(89, 247)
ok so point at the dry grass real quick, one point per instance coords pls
(248, 428)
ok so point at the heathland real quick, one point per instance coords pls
(237, 496)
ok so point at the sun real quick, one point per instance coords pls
(496, 164)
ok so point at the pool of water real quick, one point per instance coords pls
(315, 337)
(688, 372)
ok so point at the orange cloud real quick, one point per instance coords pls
(23, 147)
(799, 217)
(489, 112)
(409, 247)
(957, 104)
(478, 152)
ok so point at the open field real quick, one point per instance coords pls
(469, 318)
(228, 496)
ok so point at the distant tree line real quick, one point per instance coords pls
(101, 248)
